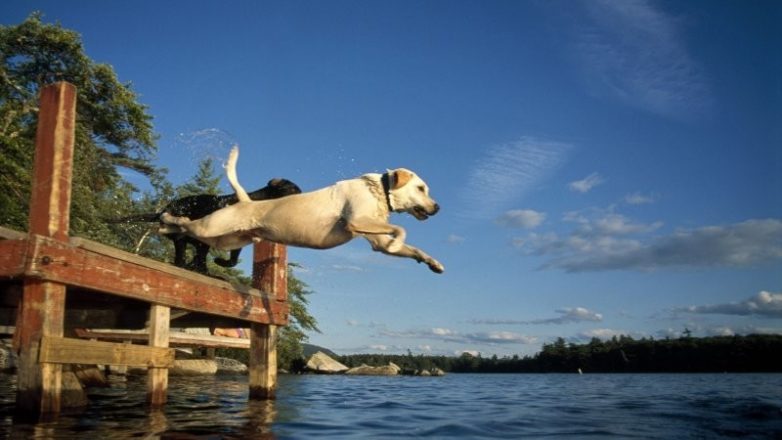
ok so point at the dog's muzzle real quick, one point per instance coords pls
(422, 213)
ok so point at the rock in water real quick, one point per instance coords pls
(230, 366)
(438, 372)
(72, 394)
(366, 370)
(322, 363)
(193, 367)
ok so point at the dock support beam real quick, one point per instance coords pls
(270, 274)
(157, 378)
(42, 306)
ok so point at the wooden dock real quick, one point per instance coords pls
(52, 285)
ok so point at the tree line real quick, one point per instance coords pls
(623, 354)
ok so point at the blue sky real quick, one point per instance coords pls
(603, 167)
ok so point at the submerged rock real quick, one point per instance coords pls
(230, 366)
(322, 363)
(72, 394)
(193, 367)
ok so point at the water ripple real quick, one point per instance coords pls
(456, 406)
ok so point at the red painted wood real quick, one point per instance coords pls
(42, 307)
(12, 257)
(50, 199)
(68, 264)
(270, 269)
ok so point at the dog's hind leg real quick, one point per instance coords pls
(230, 172)
(198, 263)
(232, 261)
(180, 246)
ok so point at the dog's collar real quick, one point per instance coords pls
(385, 179)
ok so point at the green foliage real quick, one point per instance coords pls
(290, 351)
(205, 181)
(112, 129)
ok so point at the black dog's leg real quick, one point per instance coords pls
(232, 261)
(180, 246)
(198, 263)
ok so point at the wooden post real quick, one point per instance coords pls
(42, 307)
(157, 378)
(270, 274)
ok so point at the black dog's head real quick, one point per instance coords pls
(276, 188)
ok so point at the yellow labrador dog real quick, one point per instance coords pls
(320, 219)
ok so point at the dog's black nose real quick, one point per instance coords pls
(436, 208)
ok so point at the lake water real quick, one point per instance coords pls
(643, 406)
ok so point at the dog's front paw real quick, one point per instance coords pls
(435, 266)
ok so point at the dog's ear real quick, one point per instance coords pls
(400, 178)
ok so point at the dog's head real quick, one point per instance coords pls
(409, 193)
(275, 189)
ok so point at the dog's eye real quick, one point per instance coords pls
(422, 189)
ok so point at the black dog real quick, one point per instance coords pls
(202, 205)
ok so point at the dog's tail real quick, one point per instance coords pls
(230, 171)
(136, 218)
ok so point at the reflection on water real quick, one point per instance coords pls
(456, 406)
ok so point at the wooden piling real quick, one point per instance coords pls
(270, 274)
(157, 377)
(42, 306)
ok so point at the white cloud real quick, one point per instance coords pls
(586, 184)
(578, 314)
(448, 335)
(442, 331)
(347, 268)
(600, 246)
(502, 337)
(605, 222)
(763, 304)
(638, 198)
(455, 239)
(567, 315)
(633, 53)
(602, 333)
(521, 218)
(506, 172)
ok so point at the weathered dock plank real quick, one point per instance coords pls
(60, 350)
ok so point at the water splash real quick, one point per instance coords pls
(195, 146)
(214, 143)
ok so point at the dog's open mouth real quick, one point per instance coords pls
(420, 213)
